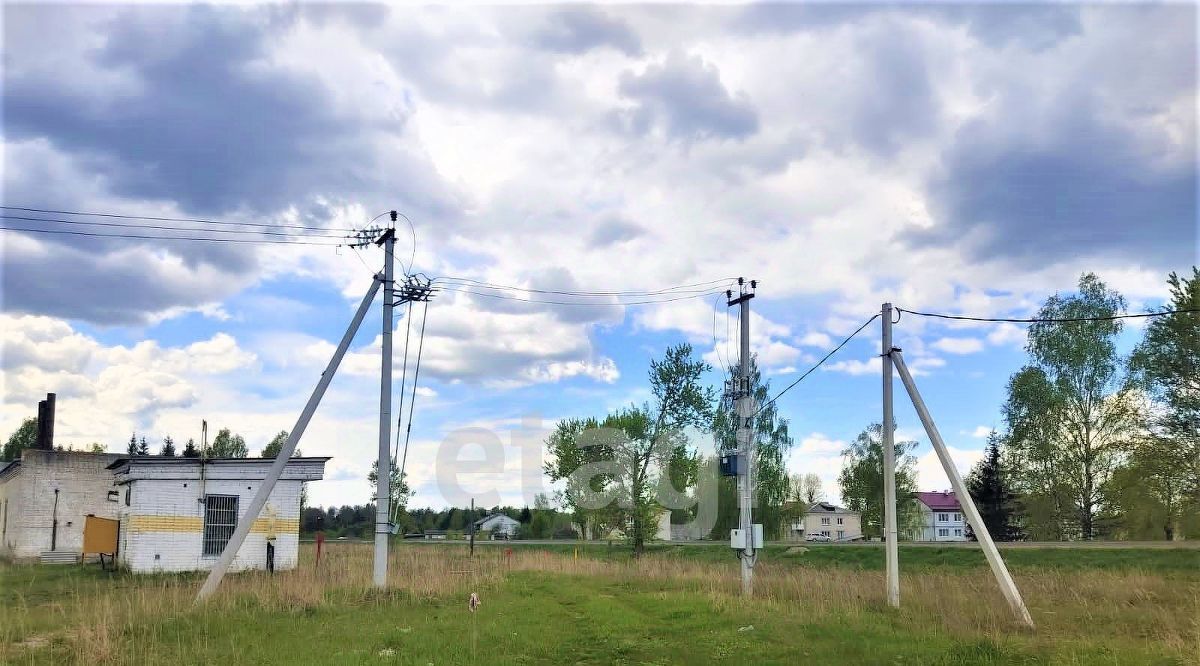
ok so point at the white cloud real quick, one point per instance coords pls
(981, 432)
(932, 476)
(106, 389)
(856, 366)
(958, 345)
(815, 339)
(1007, 335)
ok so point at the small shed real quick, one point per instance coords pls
(177, 514)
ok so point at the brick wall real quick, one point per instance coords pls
(162, 528)
(83, 483)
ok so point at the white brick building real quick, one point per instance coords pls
(45, 496)
(175, 514)
(175, 519)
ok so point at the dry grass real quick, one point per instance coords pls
(101, 619)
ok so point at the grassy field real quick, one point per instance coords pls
(545, 605)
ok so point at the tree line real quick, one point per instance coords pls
(1100, 443)
(541, 521)
(226, 444)
(1097, 443)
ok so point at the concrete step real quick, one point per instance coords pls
(59, 557)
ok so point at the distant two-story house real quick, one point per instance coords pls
(941, 517)
(827, 519)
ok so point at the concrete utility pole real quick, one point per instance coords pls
(999, 570)
(744, 409)
(383, 469)
(889, 467)
(246, 520)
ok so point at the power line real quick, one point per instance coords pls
(400, 410)
(169, 219)
(122, 225)
(699, 287)
(1046, 320)
(416, 375)
(266, 241)
(717, 347)
(582, 303)
(819, 363)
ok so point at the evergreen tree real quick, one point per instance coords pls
(989, 489)
(143, 449)
(190, 450)
(168, 447)
(132, 448)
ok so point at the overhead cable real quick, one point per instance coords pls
(169, 219)
(592, 304)
(266, 241)
(699, 287)
(1050, 320)
(818, 363)
(124, 225)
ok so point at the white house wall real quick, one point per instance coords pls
(83, 483)
(162, 529)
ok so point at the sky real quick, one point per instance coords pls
(958, 158)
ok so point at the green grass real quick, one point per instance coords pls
(917, 558)
(616, 614)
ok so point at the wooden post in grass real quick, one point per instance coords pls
(1007, 586)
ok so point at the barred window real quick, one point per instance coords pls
(220, 518)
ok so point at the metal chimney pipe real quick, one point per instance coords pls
(49, 427)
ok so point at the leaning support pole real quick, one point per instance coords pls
(891, 547)
(289, 447)
(1007, 586)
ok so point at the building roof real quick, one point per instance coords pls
(495, 515)
(179, 460)
(827, 507)
(126, 469)
(9, 467)
(944, 500)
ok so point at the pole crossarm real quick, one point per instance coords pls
(246, 520)
(1007, 586)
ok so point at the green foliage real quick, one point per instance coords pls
(168, 447)
(276, 445)
(190, 450)
(805, 489)
(228, 445)
(773, 442)
(132, 449)
(989, 488)
(143, 447)
(97, 447)
(861, 480)
(1166, 365)
(398, 488)
(1150, 493)
(24, 437)
(634, 453)
(1070, 414)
